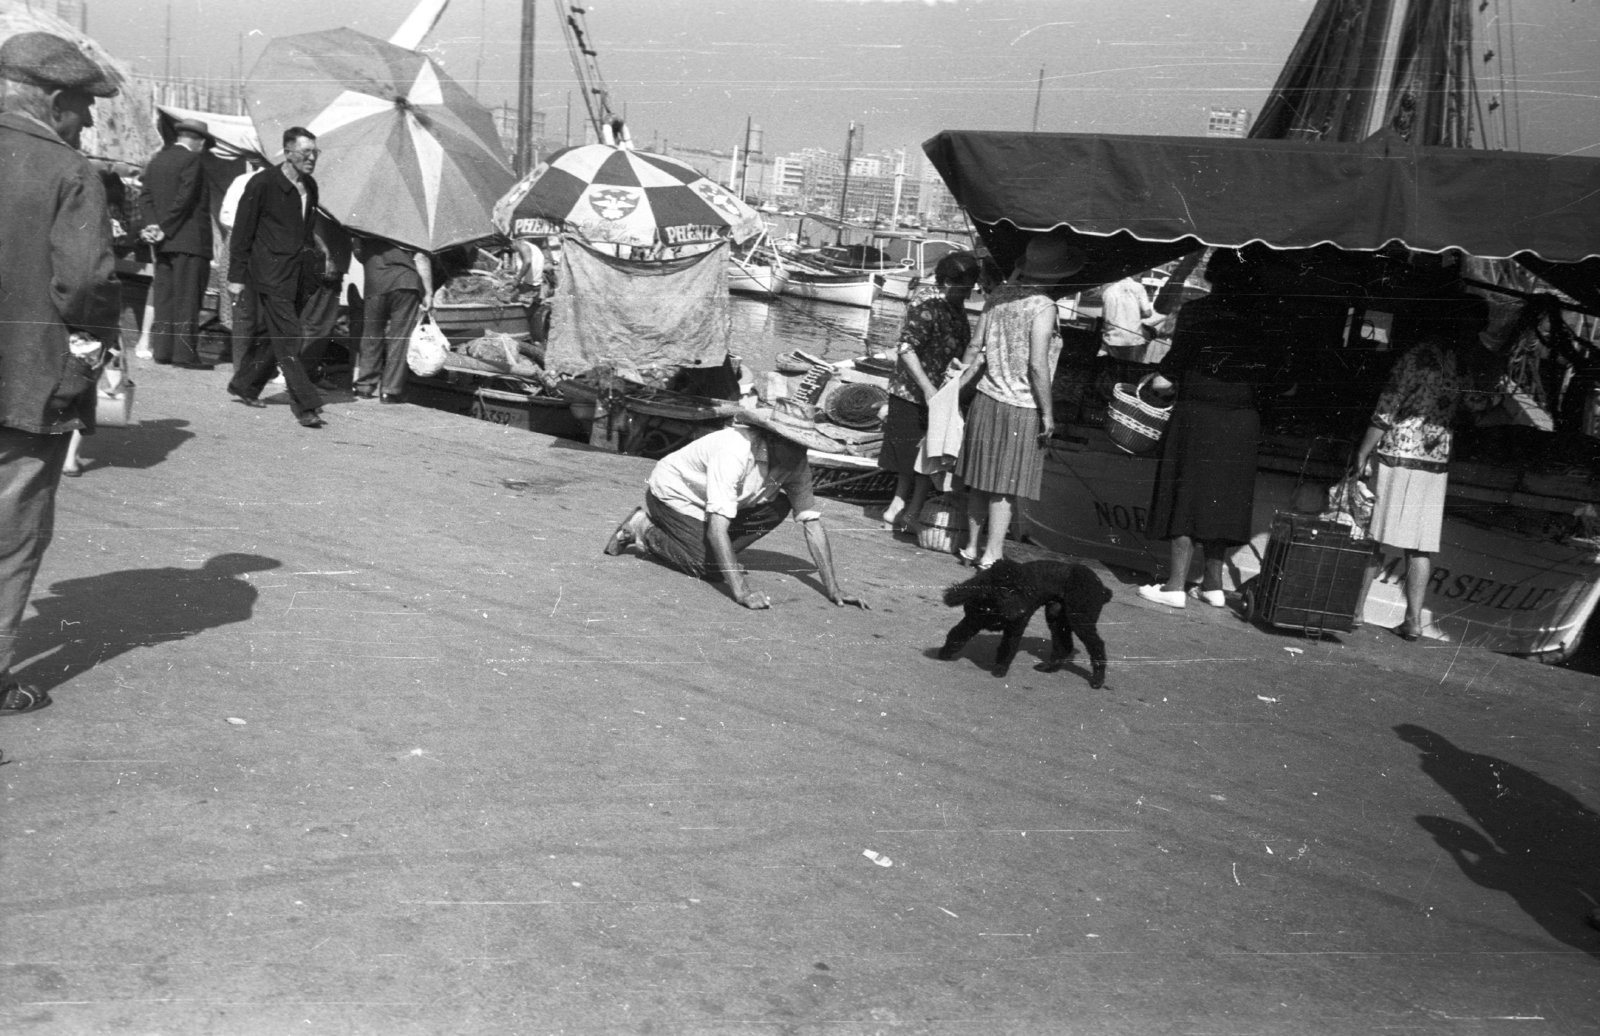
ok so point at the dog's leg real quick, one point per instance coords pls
(1061, 650)
(1010, 642)
(1087, 631)
(959, 635)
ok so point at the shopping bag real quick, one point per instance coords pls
(426, 353)
(113, 396)
(1350, 504)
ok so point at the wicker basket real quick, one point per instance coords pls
(941, 523)
(1132, 424)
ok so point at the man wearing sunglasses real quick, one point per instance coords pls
(270, 255)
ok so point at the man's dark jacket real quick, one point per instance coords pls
(271, 242)
(177, 199)
(56, 272)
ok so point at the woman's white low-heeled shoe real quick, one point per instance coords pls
(1170, 598)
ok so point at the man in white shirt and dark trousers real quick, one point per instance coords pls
(724, 491)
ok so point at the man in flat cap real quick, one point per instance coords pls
(177, 212)
(58, 311)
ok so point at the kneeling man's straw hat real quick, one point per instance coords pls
(788, 420)
(44, 59)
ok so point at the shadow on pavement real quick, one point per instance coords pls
(143, 445)
(84, 622)
(1534, 842)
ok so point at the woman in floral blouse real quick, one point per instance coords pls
(1407, 447)
(934, 333)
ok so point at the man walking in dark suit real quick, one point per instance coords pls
(268, 256)
(177, 211)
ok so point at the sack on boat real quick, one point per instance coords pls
(426, 353)
(495, 347)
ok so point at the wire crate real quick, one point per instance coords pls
(1310, 576)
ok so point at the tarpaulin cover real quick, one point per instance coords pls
(637, 316)
(1285, 193)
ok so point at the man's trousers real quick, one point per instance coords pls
(30, 471)
(278, 323)
(179, 288)
(680, 540)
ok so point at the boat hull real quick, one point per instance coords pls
(839, 289)
(765, 281)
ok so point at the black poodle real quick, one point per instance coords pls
(1004, 597)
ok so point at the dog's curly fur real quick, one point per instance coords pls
(1004, 597)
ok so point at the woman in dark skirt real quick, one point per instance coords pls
(1205, 484)
(934, 333)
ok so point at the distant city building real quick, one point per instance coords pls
(812, 179)
(1228, 122)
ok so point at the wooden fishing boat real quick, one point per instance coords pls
(844, 289)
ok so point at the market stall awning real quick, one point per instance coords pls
(234, 134)
(1284, 193)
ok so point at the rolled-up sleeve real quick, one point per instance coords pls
(725, 472)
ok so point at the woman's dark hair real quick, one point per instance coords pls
(957, 268)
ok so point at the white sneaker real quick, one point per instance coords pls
(1170, 598)
(1215, 598)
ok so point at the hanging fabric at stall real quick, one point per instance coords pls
(645, 319)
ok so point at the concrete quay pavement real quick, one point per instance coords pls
(490, 781)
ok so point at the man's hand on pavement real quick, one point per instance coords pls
(754, 599)
(860, 602)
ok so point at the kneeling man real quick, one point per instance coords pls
(719, 494)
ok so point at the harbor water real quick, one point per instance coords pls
(762, 330)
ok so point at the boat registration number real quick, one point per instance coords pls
(484, 410)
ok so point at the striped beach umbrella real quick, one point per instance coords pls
(620, 196)
(407, 154)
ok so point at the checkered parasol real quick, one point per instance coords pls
(620, 196)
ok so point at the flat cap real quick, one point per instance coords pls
(194, 126)
(44, 59)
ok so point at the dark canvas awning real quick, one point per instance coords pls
(1284, 193)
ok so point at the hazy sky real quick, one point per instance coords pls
(690, 70)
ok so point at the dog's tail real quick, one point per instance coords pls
(972, 590)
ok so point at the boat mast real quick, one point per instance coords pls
(608, 128)
(525, 148)
(844, 194)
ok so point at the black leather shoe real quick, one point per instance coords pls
(310, 420)
(393, 399)
(247, 401)
(196, 366)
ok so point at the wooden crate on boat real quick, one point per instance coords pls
(462, 322)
